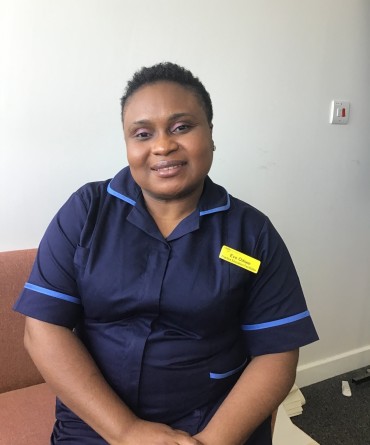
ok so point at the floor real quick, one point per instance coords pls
(330, 418)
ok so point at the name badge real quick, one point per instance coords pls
(239, 259)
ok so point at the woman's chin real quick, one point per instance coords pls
(173, 193)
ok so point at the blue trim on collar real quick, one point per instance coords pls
(271, 324)
(217, 209)
(213, 194)
(119, 195)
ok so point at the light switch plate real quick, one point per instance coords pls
(339, 112)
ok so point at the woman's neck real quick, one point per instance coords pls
(167, 214)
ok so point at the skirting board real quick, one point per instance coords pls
(332, 366)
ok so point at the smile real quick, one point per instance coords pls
(168, 168)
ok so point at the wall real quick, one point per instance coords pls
(272, 68)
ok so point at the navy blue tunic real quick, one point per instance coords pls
(169, 323)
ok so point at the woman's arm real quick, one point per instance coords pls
(72, 374)
(259, 391)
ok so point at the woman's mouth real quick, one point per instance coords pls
(168, 168)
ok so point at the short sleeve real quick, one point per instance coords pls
(275, 317)
(51, 293)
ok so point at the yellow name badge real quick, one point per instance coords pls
(239, 259)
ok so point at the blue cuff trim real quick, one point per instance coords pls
(120, 196)
(214, 375)
(52, 293)
(271, 324)
(217, 209)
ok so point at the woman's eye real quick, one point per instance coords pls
(142, 134)
(181, 128)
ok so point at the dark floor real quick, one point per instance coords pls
(333, 419)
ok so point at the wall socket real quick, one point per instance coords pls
(339, 112)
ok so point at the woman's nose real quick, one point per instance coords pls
(163, 145)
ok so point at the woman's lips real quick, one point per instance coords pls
(168, 168)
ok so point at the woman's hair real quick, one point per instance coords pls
(169, 72)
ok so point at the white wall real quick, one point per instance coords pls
(272, 68)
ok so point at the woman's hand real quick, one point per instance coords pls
(149, 433)
(73, 375)
(207, 439)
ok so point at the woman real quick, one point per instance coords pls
(160, 309)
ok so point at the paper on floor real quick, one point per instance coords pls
(294, 402)
(346, 390)
(286, 433)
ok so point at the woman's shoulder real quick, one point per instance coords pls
(245, 213)
(120, 186)
(92, 191)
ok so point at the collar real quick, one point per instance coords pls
(214, 198)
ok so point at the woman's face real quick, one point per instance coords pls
(168, 140)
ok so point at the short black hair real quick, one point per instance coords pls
(171, 72)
